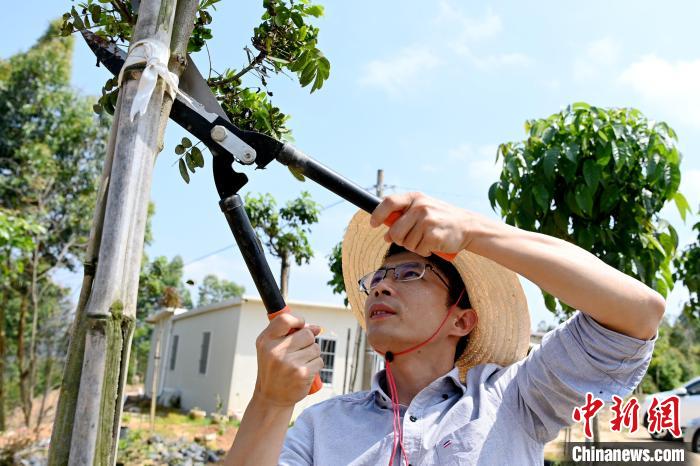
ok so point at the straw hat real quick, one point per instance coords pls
(502, 333)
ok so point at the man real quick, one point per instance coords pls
(439, 402)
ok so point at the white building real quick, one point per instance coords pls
(207, 357)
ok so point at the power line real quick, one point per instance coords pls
(209, 254)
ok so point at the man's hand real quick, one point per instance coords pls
(287, 363)
(426, 225)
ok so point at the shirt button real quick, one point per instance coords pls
(413, 418)
(445, 396)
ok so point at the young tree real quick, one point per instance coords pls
(50, 153)
(106, 310)
(688, 273)
(284, 231)
(596, 177)
(214, 290)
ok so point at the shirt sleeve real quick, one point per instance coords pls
(578, 357)
(298, 444)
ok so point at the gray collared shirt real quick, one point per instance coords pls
(501, 415)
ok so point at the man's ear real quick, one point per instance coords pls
(466, 322)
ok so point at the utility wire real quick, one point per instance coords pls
(209, 254)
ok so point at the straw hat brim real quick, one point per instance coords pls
(503, 329)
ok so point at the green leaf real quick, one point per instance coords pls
(541, 196)
(296, 173)
(591, 173)
(197, 157)
(609, 199)
(190, 163)
(549, 163)
(571, 151)
(183, 171)
(492, 195)
(278, 60)
(502, 199)
(681, 204)
(580, 106)
(584, 199)
(307, 74)
(186, 143)
(549, 301)
(314, 10)
(179, 149)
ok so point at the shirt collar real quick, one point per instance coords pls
(448, 383)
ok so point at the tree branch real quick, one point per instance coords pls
(256, 61)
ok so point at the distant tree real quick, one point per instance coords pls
(214, 290)
(598, 178)
(51, 150)
(284, 231)
(160, 285)
(688, 273)
(16, 239)
(335, 264)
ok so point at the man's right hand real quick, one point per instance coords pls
(287, 363)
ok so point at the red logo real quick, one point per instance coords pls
(664, 415)
(624, 416)
(586, 412)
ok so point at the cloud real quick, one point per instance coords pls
(598, 56)
(672, 86)
(480, 161)
(452, 37)
(468, 29)
(404, 72)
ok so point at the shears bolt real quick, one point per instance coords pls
(218, 133)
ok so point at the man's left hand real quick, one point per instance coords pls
(426, 224)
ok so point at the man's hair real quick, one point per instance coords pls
(454, 282)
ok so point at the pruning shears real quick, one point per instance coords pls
(198, 111)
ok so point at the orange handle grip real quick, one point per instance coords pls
(394, 216)
(316, 385)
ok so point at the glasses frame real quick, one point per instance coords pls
(386, 270)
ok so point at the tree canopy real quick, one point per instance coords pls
(596, 177)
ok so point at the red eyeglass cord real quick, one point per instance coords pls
(393, 392)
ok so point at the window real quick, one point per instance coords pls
(328, 356)
(694, 389)
(173, 352)
(204, 354)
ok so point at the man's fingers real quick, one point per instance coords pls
(301, 339)
(393, 203)
(281, 325)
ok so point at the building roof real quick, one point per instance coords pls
(179, 314)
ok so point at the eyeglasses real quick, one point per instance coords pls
(402, 273)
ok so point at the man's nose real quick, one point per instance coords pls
(384, 286)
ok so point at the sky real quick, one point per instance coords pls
(425, 91)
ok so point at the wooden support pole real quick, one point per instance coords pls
(88, 417)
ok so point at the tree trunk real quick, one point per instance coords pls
(32, 338)
(25, 401)
(87, 424)
(284, 276)
(48, 369)
(3, 306)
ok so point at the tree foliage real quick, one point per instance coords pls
(598, 178)
(687, 271)
(215, 290)
(676, 357)
(335, 264)
(284, 41)
(50, 158)
(284, 231)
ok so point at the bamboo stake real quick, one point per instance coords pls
(89, 410)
